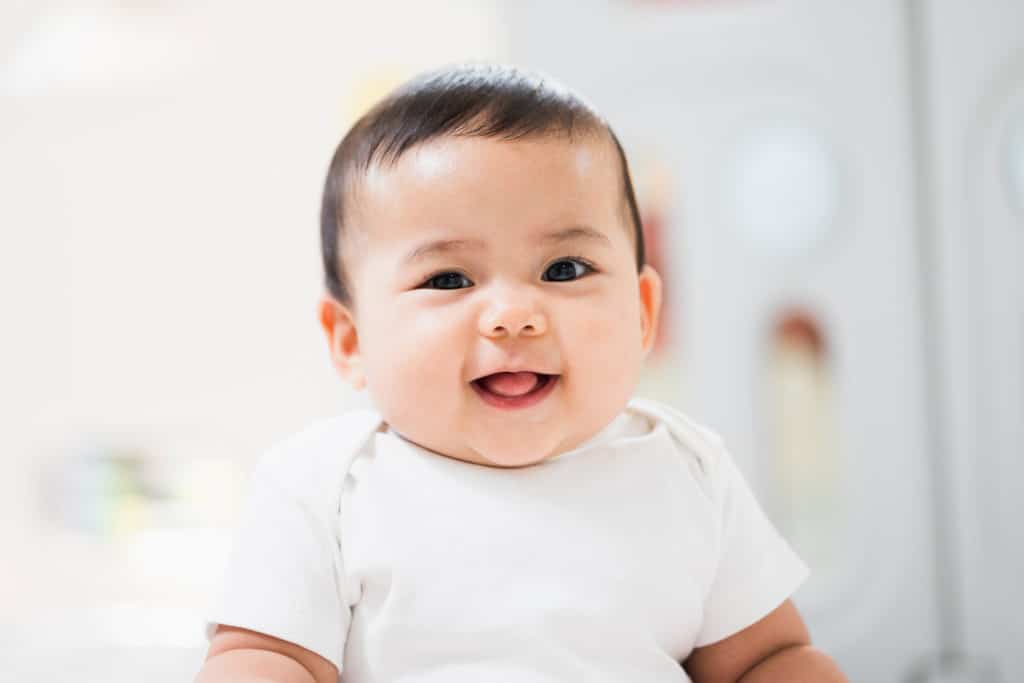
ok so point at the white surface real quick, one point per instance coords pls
(976, 108)
(101, 665)
(782, 188)
(1015, 162)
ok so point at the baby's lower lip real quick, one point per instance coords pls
(516, 402)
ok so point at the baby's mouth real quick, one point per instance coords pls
(511, 384)
(514, 389)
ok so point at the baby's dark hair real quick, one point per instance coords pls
(472, 100)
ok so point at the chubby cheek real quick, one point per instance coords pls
(413, 363)
(607, 349)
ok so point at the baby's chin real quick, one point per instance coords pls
(494, 447)
(511, 460)
(520, 453)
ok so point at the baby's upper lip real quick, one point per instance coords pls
(514, 368)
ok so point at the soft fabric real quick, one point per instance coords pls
(610, 562)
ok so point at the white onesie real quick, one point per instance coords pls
(610, 562)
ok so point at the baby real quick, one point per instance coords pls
(508, 512)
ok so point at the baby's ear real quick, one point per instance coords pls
(342, 340)
(650, 306)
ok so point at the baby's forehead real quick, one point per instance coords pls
(453, 179)
(445, 155)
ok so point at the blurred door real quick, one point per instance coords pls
(976, 138)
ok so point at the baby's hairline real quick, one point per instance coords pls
(488, 101)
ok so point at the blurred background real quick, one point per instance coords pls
(833, 191)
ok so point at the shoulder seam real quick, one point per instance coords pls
(702, 443)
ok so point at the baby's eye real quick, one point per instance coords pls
(449, 280)
(567, 269)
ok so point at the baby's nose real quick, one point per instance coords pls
(512, 320)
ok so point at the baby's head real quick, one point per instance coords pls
(485, 266)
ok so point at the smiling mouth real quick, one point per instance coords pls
(512, 391)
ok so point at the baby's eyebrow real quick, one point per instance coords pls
(576, 232)
(436, 247)
(439, 247)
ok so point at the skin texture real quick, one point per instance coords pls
(411, 346)
(775, 648)
(238, 655)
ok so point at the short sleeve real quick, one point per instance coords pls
(283, 575)
(757, 569)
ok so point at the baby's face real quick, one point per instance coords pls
(475, 256)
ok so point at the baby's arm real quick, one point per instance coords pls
(240, 656)
(776, 649)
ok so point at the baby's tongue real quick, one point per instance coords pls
(510, 383)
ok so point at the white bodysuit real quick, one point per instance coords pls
(610, 562)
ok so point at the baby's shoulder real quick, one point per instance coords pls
(318, 455)
(702, 447)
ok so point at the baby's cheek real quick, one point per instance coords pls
(423, 357)
(612, 343)
(586, 355)
(606, 326)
